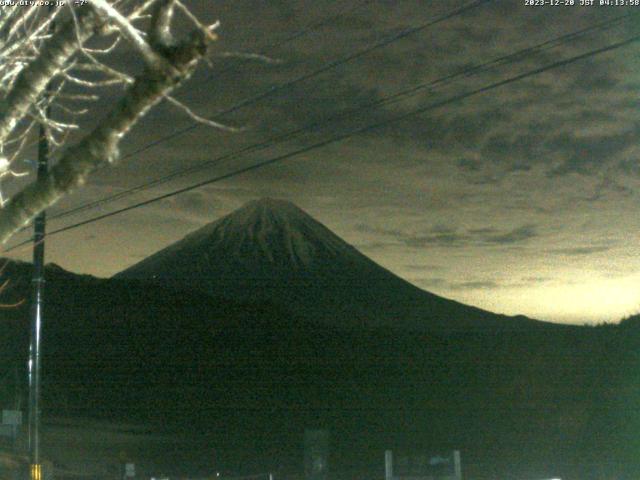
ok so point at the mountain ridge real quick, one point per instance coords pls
(270, 249)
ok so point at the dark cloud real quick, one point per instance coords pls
(536, 279)
(431, 282)
(436, 240)
(488, 284)
(630, 166)
(506, 147)
(440, 236)
(580, 251)
(364, 228)
(475, 285)
(606, 187)
(353, 22)
(373, 246)
(422, 267)
(562, 149)
(588, 155)
(333, 106)
(531, 282)
(517, 235)
(483, 231)
(469, 164)
(595, 75)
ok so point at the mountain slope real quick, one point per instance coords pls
(272, 250)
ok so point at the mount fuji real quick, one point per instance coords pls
(272, 251)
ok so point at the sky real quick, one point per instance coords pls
(522, 199)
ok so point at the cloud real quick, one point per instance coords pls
(482, 283)
(474, 285)
(483, 231)
(536, 279)
(607, 187)
(630, 166)
(390, 232)
(429, 282)
(588, 154)
(469, 164)
(442, 236)
(580, 251)
(373, 245)
(517, 235)
(423, 267)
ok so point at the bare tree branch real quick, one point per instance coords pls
(4, 286)
(33, 80)
(129, 32)
(35, 59)
(198, 118)
(101, 145)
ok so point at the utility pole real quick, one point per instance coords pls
(37, 306)
(37, 301)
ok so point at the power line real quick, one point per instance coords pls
(306, 76)
(352, 133)
(294, 36)
(272, 141)
(324, 68)
(265, 50)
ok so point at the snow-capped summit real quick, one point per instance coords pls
(272, 231)
(262, 240)
(271, 250)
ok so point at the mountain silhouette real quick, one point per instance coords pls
(271, 250)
